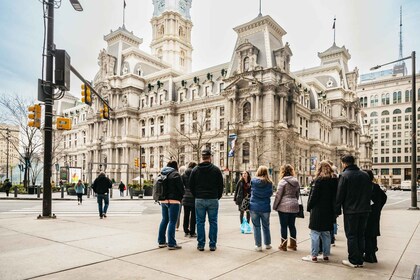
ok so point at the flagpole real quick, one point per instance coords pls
(334, 29)
(124, 14)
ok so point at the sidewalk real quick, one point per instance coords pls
(125, 248)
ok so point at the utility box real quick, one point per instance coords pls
(62, 70)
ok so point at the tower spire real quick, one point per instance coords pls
(401, 40)
(260, 14)
(399, 67)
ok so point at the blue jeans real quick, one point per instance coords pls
(100, 198)
(326, 242)
(287, 220)
(169, 216)
(259, 218)
(211, 207)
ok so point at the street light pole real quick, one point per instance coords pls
(413, 129)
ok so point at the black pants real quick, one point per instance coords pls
(241, 216)
(189, 219)
(354, 226)
(371, 245)
(79, 197)
(7, 192)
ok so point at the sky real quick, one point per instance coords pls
(369, 29)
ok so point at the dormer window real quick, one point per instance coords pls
(246, 64)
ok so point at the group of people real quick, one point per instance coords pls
(352, 193)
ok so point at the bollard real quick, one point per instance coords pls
(111, 190)
(16, 191)
(131, 192)
(62, 191)
(38, 191)
(88, 192)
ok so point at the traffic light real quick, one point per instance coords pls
(86, 94)
(136, 162)
(143, 165)
(105, 112)
(35, 116)
(63, 124)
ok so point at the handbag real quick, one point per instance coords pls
(300, 214)
(245, 204)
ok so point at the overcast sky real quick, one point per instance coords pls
(368, 28)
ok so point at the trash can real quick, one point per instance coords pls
(32, 190)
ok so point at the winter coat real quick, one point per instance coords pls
(261, 193)
(206, 181)
(8, 186)
(354, 191)
(174, 185)
(242, 190)
(121, 186)
(188, 199)
(79, 188)
(321, 204)
(379, 199)
(102, 184)
(287, 196)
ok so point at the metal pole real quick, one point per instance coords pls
(413, 137)
(7, 153)
(140, 167)
(46, 198)
(227, 157)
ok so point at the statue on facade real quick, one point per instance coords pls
(124, 101)
(106, 63)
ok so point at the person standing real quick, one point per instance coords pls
(181, 172)
(321, 204)
(170, 206)
(7, 186)
(260, 208)
(286, 204)
(206, 185)
(353, 196)
(188, 202)
(101, 186)
(121, 187)
(80, 190)
(373, 224)
(243, 189)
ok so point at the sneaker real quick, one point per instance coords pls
(201, 249)
(213, 248)
(104, 215)
(268, 247)
(101, 216)
(310, 258)
(193, 235)
(163, 245)
(360, 265)
(348, 263)
(176, 247)
(333, 245)
(326, 258)
(258, 248)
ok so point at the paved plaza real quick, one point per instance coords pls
(78, 245)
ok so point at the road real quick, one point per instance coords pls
(396, 200)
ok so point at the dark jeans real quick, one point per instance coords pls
(102, 198)
(241, 216)
(287, 220)
(169, 216)
(79, 197)
(189, 219)
(211, 207)
(371, 245)
(354, 226)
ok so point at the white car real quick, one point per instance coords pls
(304, 191)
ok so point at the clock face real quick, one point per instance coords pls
(182, 5)
(161, 5)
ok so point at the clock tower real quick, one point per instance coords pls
(172, 26)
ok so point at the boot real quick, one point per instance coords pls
(283, 245)
(292, 244)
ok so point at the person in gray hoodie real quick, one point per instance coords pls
(286, 204)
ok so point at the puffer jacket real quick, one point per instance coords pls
(287, 196)
(175, 186)
(261, 193)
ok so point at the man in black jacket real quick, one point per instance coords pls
(101, 186)
(353, 195)
(206, 185)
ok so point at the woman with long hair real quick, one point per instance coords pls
(286, 204)
(243, 188)
(321, 204)
(260, 208)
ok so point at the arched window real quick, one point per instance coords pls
(246, 64)
(161, 30)
(245, 152)
(246, 112)
(396, 112)
(182, 58)
(408, 110)
(373, 114)
(159, 53)
(407, 95)
(181, 32)
(385, 113)
(374, 101)
(396, 97)
(385, 99)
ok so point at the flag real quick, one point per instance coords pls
(333, 24)
(124, 4)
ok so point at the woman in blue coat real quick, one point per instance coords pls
(260, 208)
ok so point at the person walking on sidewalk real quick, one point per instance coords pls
(286, 204)
(188, 202)
(260, 208)
(122, 188)
(353, 196)
(206, 185)
(80, 190)
(321, 204)
(243, 189)
(171, 205)
(373, 225)
(7, 186)
(102, 186)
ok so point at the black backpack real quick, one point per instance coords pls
(160, 188)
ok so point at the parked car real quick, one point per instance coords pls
(406, 185)
(304, 191)
(395, 187)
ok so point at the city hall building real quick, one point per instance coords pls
(251, 107)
